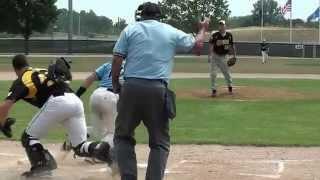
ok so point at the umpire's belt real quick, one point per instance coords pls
(155, 82)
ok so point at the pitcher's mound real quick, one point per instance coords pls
(244, 93)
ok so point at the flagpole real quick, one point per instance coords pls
(291, 22)
(319, 21)
(262, 19)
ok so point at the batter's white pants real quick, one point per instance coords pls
(219, 62)
(265, 56)
(103, 105)
(66, 110)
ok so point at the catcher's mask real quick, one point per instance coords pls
(147, 11)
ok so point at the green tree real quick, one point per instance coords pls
(25, 17)
(120, 25)
(90, 23)
(240, 21)
(272, 13)
(185, 14)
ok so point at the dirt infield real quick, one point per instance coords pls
(246, 93)
(187, 162)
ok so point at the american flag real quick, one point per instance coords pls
(287, 8)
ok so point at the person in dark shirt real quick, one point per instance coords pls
(220, 45)
(58, 105)
(265, 51)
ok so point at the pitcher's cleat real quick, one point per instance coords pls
(214, 93)
(230, 89)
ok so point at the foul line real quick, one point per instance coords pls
(280, 169)
(10, 155)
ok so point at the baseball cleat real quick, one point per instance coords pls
(41, 170)
(41, 167)
(102, 153)
(37, 174)
(214, 93)
(230, 89)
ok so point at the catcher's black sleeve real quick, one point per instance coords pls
(17, 91)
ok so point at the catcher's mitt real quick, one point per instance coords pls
(232, 61)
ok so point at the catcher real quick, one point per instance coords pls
(221, 44)
(49, 90)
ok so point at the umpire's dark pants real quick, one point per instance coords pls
(142, 100)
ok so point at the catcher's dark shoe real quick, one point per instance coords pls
(43, 168)
(39, 173)
(214, 93)
(230, 89)
(102, 152)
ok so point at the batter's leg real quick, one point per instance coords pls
(77, 132)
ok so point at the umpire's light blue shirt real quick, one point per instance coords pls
(149, 47)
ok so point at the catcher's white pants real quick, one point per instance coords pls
(265, 56)
(103, 105)
(66, 110)
(219, 62)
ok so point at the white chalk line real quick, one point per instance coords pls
(11, 155)
(261, 175)
(280, 164)
(140, 166)
(280, 169)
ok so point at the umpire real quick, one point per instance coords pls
(149, 47)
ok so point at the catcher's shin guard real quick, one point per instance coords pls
(42, 162)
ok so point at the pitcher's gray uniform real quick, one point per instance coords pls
(221, 43)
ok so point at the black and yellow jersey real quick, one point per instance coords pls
(34, 88)
(221, 43)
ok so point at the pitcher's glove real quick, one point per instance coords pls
(232, 61)
(6, 128)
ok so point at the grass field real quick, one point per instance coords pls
(261, 121)
(196, 65)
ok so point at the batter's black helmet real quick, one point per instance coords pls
(147, 11)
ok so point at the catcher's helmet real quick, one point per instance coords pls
(147, 11)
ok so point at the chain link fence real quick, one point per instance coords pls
(14, 46)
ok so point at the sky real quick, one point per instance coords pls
(126, 8)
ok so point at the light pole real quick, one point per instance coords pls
(70, 31)
(79, 24)
(262, 19)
